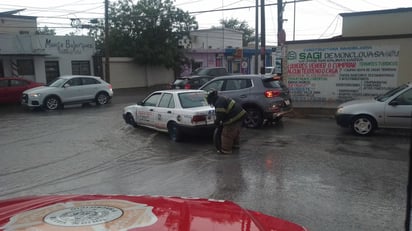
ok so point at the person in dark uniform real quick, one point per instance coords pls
(230, 115)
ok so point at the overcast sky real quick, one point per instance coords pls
(314, 18)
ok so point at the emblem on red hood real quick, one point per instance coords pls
(123, 212)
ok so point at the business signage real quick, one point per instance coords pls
(341, 73)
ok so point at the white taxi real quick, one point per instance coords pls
(176, 112)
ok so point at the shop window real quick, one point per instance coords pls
(25, 67)
(81, 67)
(52, 70)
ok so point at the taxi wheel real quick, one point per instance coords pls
(174, 132)
(130, 120)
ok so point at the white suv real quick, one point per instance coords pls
(73, 89)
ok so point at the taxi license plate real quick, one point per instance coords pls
(287, 102)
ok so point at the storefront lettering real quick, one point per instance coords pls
(341, 73)
(313, 55)
(68, 46)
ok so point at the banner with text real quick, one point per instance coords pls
(341, 73)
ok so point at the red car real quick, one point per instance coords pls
(11, 88)
(121, 212)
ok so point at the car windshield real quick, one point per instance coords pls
(390, 93)
(203, 72)
(57, 82)
(268, 70)
(196, 72)
(192, 99)
(179, 81)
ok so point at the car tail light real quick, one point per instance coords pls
(187, 86)
(272, 93)
(110, 87)
(198, 118)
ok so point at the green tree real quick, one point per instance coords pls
(46, 31)
(148, 31)
(248, 33)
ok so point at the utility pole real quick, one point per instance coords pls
(257, 38)
(281, 40)
(280, 23)
(106, 42)
(263, 37)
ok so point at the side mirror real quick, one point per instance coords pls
(66, 85)
(140, 103)
(394, 103)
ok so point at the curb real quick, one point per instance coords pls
(302, 112)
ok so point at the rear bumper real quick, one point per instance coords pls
(200, 129)
(277, 114)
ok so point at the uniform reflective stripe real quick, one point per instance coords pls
(236, 118)
(220, 109)
(230, 106)
(228, 109)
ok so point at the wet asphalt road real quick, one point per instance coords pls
(307, 171)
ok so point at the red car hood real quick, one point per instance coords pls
(120, 212)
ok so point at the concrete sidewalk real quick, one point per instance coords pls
(314, 109)
(300, 109)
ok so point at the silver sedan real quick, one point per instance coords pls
(390, 110)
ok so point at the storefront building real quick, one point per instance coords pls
(222, 48)
(41, 58)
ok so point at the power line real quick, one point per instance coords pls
(336, 18)
(241, 7)
(46, 9)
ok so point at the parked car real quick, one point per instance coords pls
(71, 89)
(11, 88)
(210, 71)
(129, 212)
(270, 70)
(176, 112)
(264, 98)
(190, 82)
(390, 110)
(198, 77)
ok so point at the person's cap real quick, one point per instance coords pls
(211, 97)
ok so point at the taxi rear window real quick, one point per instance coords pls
(192, 99)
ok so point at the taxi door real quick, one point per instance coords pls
(165, 111)
(146, 110)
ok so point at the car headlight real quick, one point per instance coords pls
(339, 111)
(35, 95)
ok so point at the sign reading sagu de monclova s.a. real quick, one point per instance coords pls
(341, 73)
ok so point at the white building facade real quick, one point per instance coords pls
(42, 57)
